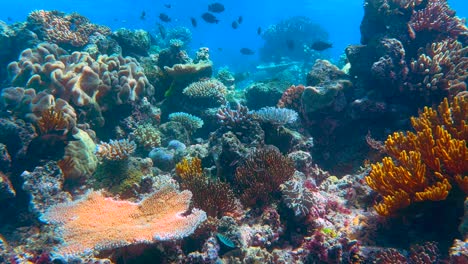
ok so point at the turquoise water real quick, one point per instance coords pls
(341, 18)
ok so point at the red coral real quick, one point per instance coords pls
(436, 17)
(292, 98)
(261, 175)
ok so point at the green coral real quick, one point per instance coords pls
(120, 177)
(147, 136)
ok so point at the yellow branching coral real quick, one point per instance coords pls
(423, 165)
(187, 169)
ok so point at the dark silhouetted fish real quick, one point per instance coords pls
(216, 7)
(143, 15)
(247, 51)
(164, 18)
(259, 31)
(167, 5)
(194, 21)
(240, 19)
(234, 25)
(162, 30)
(9, 19)
(290, 44)
(320, 45)
(210, 18)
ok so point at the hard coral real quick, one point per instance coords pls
(423, 166)
(440, 67)
(56, 27)
(208, 93)
(213, 196)
(438, 18)
(115, 150)
(261, 175)
(97, 223)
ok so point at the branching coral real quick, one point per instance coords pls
(190, 122)
(208, 92)
(97, 223)
(216, 198)
(424, 165)
(148, 136)
(56, 27)
(261, 175)
(115, 150)
(442, 66)
(436, 17)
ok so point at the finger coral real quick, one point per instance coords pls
(98, 223)
(148, 136)
(115, 150)
(436, 17)
(424, 165)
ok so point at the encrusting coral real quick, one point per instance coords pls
(424, 165)
(98, 223)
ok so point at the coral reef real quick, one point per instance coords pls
(56, 27)
(214, 197)
(147, 136)
(276, 116)
(428, 162)
(115, 150)
(190, 122)
(156, 218)
(95, 85)
(261, 174)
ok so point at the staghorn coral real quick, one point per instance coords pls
(147, 136)
(190, 122)
(261, 174)
(208, 93)
(56, 27)
(424, 165)
(436, 17)
(115, 150)
(216, 198)
(159, 217)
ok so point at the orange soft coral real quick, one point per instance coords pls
(424, 165)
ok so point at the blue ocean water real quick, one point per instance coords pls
(340, 18)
